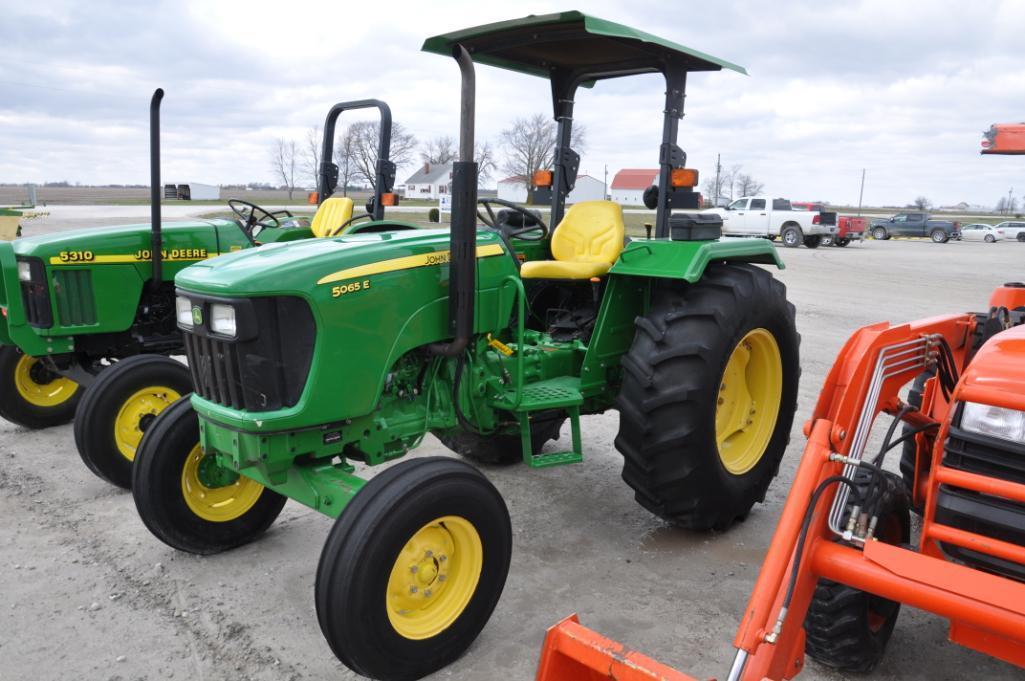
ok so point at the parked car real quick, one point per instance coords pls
(915, 224)
(978, 231)
(848, 227)
(1013, 229)
(762, 216)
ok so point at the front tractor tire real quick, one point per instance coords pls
(413, 569)
(848, 629)
(31, 395)
(189, 502)
(708, 396)
(118, 408)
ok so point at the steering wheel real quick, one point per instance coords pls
(248, 218)
(539, 230)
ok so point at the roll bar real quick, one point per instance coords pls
(156, 236)
(385, 170)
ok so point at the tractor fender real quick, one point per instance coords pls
(687, 260)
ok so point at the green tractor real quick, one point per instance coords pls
(75, 303)
(312, 360)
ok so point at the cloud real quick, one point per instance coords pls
(900, 89)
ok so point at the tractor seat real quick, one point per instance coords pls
(331, 215)
(585, 244)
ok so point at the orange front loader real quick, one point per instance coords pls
(841, 561)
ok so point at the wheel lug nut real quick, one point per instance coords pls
(413, 569)
(412, 589)
(429, 553)
(427, 593)
(442, 558)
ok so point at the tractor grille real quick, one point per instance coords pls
(35, 294)
(979, 513)
(266, 366)
(73, 291)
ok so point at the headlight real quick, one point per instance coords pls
(24, 271)
(184, 308)
(222, 319)
(1006, 424)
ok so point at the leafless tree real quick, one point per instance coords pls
(484, 155)
(441, 149)
(285, 161)
(345, 152)
(311, 155)
(747, 185)
(922, 203)
(714, 187)
(364, 148)
(529, 146)
(1001, 206)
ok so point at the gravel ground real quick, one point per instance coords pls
(88, 593)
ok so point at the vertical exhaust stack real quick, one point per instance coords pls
(156, 241)
(463, 248)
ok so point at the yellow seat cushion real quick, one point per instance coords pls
(558, 269)
(585, 244)
(331, 215)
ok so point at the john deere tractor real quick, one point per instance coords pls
(125, 398)
(313, 362)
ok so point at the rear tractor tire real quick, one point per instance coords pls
(413, 568)
(792, 237)
(118, 408)
(185, 499)
(708, 396)
(938, 236)
(504, 449)
(814, 241)
(848, 629)
(31, 395)
(880, 234)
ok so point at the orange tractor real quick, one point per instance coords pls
(842, 560)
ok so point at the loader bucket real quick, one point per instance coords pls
(572, 652)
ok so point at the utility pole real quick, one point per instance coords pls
(605, 195)
(861, 193)
(718, 188)
(1010, 208)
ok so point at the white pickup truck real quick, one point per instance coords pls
(763, 216)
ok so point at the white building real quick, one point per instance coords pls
(587, 188)
(629, 184)
(429, 182)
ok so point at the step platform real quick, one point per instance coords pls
(556, 393)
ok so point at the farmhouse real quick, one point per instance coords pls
(587, 188)
(431, 181)
(629, 184)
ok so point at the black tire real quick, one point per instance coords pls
(792, 237)
(908, 454)
(365, 547)
(504, 449)
(160, 499)
(880, 234)
(672, 377)
(938, 236)
(1021, 236)
(848, 629)
(105, 437)
(828, 240)
(814, 241)
(16, 367)
(843, 243)
(989, 238)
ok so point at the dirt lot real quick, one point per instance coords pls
(88, 593)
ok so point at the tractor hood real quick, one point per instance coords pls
(118, 239)
(300, 266)
(997, 373)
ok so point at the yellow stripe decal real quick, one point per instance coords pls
(407, 262)
(87, 258)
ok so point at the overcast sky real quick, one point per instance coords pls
(902, 88)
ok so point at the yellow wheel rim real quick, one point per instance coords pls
(50, 393)
(220, 503)
(434, 577)
(749, 399)
(136, 411)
